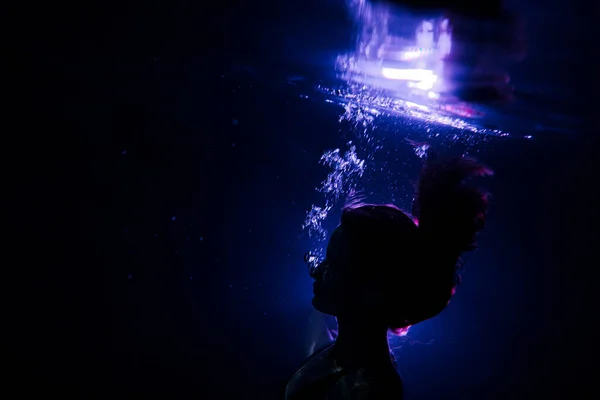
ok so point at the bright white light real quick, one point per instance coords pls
(421, 78)
(409, 74)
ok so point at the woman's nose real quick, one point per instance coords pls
(313, 266)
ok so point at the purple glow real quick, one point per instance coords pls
(396, 45)
(411, 55)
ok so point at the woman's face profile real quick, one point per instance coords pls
(332, 275)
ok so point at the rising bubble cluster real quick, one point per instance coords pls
(345, 171)
(391, 133)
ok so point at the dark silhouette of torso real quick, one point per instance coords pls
(321, 377)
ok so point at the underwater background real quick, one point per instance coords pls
(184, 156)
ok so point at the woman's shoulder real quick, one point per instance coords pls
(320, 378)
(315, 368)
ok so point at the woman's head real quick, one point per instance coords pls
(383, 265)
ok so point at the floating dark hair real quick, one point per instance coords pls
(449, 211)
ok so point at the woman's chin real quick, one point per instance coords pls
(317, 303)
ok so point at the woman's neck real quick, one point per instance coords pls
(361, 343)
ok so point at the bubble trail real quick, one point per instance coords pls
(342, 180)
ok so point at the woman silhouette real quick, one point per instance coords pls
(384, 271)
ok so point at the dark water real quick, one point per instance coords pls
(175, 171)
